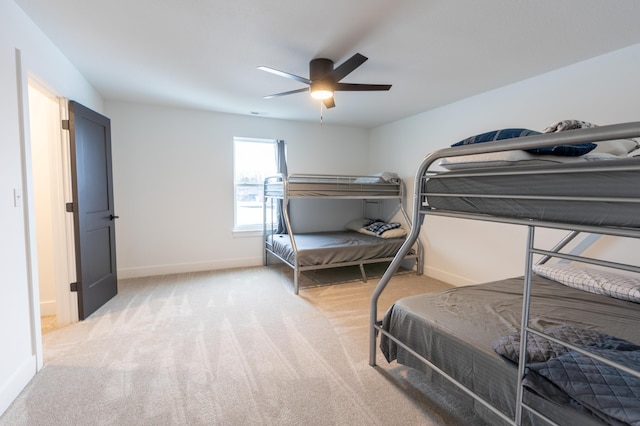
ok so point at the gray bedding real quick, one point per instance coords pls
(336, 186)
(456, 328)
(325, 248)
(588, 179)
(347, 190)
(577, 380)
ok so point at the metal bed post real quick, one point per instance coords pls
(524, 322)
(267, 200)
(265, 236)
(416, 224)
(287, 221)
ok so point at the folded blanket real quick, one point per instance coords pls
(383, 177)
(605, 391)
(570, 378)
(389, 177)
(540, 349)
(378, 226)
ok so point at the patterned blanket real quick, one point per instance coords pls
(570, 378)
(561, 126)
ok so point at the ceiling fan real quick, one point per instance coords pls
(324, 79)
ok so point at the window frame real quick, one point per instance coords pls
(256, 228)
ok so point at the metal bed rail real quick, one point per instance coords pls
(421, 209)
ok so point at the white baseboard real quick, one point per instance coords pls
(448, 277)
(150, 271)
(48, 308)
(10, 390)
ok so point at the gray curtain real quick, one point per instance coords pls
(281, 164)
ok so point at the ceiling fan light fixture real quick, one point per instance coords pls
(321, 90)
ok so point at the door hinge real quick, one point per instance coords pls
(65, 124)
(69, 207)
(73, 287)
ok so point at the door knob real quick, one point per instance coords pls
(111, 217)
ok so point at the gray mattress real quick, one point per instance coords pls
(455, 330)
(335, 186)
(326, 248)
(348, 190)
(593, 179)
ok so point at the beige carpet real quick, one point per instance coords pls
(346, 274)
(230, 348)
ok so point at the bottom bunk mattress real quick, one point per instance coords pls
(600, 193)
(327, 248)
(456, 329)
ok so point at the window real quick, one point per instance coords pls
(253, 161)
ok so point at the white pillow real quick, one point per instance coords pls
(619, 147)
(592, 280)
(357, 224)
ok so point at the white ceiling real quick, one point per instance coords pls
(204, 53)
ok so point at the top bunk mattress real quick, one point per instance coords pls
(335, 186)
(595, 193)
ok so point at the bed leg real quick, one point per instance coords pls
(373, 339)
(296, 279)
(363, 273)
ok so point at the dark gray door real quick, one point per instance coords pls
(92, 183)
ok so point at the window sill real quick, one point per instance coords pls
(246, 233)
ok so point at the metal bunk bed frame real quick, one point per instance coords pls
(277, 188)
(421, 209)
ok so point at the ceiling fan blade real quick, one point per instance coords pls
(348, 66)
(291, 92)
(353, 87)
(329, 103)
(285, 74)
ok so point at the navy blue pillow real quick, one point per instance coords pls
(561, 150)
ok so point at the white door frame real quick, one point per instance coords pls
(63, 223)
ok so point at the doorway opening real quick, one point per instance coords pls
(51, 191)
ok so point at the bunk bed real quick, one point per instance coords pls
(361, 241)
(561, 344)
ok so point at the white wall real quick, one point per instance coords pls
(603, 90)
(18, 298)
(173, 182)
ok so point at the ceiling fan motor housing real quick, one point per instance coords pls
(319, 68)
